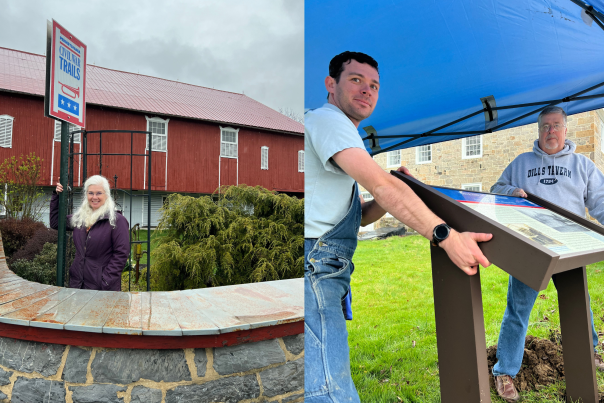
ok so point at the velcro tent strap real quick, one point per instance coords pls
(490, 113)
(374, 142)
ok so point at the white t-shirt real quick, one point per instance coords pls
(327, 188)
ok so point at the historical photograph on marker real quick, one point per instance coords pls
(537, 223)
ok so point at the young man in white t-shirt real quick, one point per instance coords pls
(335, 161)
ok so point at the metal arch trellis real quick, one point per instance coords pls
(85, 154)
(373, 137)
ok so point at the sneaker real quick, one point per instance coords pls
(599, 362)
(506, 389)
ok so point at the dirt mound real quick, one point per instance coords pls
(542, 363)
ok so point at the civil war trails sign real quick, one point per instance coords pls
(65, 97)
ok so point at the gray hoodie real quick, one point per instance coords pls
(569, 180)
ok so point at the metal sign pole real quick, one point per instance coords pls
(62, 246)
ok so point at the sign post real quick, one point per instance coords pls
(65, 100)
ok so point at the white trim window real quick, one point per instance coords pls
(473, 187)
(228, 142)
(72, 127)
(159, 134)
(602, 136)
(301, 161)
(471, 147)
(394, 158)
(6, 131)
(423, 154)
(264, 157)
(366, 196)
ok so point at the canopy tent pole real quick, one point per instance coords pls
(595, 15)
(575, 97)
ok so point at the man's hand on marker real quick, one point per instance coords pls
(405, 171)
(463, 250)
(519, 193)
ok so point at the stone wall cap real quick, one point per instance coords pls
(205, 311)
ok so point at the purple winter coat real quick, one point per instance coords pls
(101, 254)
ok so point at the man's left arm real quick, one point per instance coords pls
(371, 210)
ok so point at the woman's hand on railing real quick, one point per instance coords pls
(59, 188)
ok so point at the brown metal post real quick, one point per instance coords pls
(460, 333)
(575, 324)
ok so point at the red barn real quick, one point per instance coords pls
(202, 138)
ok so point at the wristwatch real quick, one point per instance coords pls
(440, 233)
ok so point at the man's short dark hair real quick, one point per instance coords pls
(336, 65)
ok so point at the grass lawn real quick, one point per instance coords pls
(393, 336)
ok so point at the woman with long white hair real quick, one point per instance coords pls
(100, 236)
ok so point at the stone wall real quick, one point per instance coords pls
(499, 149)
(265, 371)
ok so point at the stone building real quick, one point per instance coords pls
(475, 163)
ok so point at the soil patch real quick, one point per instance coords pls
(542, 364)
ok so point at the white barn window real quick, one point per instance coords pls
(264, 157)
(394, 158)
(72, 127)
(301, 161)
(6, 131)
(471, 147)
(423, 154)
(228, 142)
(159, 134)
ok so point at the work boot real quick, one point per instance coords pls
(506, 389)
(599, 362)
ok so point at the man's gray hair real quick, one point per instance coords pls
(85, 216)
(552, 109)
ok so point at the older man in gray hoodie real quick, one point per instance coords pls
(553, 172)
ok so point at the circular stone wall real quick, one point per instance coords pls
(226, 344)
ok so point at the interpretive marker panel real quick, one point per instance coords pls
(550, 229)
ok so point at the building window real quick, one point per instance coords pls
(423, 154)
(264, 157)
(394, 158)
(159, 134)
(473, 187)
(471, 147)
(6, 131)
(228, 142)
(72, 127)
(366, 196)
(301, 161)
(602, 137)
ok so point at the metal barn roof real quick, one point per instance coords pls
(24, 72)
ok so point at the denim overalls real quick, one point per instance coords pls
(327, 269)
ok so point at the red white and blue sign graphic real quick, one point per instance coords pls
(67, 77)
(465, 196)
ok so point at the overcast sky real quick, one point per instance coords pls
(250, 46)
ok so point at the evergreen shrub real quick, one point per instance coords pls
(249, 234)
(42, 269)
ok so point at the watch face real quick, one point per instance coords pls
(441, 232)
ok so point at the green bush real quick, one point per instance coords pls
(249, 234)
(42, 269)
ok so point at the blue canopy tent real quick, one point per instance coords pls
(460, 68)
